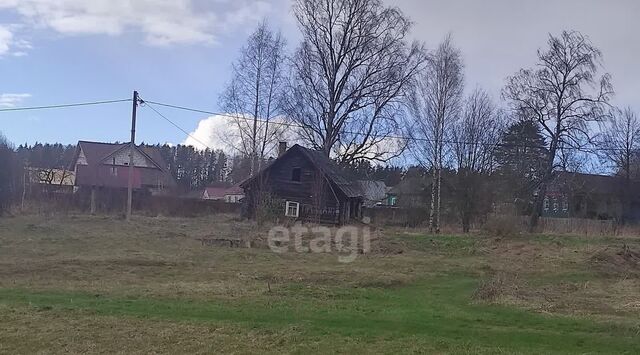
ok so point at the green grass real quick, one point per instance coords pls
(89, 284)
(435, 311)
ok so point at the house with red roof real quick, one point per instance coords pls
(106, 165)
(231, 194)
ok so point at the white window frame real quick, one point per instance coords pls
(291, 204)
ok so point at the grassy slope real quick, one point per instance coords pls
(368, 307)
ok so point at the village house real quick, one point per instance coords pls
(106, 166)
(577, 195)
(303, 184)
(231, 194)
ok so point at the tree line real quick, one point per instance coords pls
(356, 88)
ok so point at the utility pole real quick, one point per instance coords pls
(132, 148)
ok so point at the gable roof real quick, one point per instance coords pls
(215, 192)
(96, 152)
(325, 165)
(373, 190)
(96, 173)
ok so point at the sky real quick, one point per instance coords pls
(180, 52)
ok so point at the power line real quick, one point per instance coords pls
(63, 105)
(406, 138)
(146, 104)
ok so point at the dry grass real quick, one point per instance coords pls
(165, 259)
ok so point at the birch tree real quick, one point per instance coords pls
(433, 106)
(563, 93)
(349, 76)
(254, 93)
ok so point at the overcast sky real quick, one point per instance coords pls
(180, 52)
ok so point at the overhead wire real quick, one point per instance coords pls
(29, 108)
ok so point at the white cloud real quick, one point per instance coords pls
(12, 100)
(9, 45)
(214, 132)
(221, 132)
(162, 22)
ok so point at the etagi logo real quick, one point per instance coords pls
(348, 241)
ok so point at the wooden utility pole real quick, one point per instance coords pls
(132, 148)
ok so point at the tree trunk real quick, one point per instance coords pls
(439, 198)
(542, 192)
(433, 200)
(93, 200)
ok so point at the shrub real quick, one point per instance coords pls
(503, 226)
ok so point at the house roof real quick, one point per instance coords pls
(328, 167)
(216, 192)
(373, 190)
(94, 172)
(587, 183)
(96, 152)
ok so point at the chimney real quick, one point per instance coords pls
(282, 148)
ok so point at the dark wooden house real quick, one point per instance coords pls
(303, 184)
(577, 195)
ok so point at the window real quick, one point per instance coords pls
(295, 174)
(292, 209)
(546, 204)
(565, 204)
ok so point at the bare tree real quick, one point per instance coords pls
(433, 105)
(349, 76)
(474, 137)
(7, 174)
(254, 92)
(619, 142)
(563, 94)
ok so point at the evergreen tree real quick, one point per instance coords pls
(521, 158)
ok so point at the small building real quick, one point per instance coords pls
(231, 194)
(106, 165)
(374, 192)
(303, 184)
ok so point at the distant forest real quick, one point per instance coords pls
(193, 168)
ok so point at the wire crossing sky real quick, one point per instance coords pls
(59, 52)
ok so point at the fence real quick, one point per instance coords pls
(114, 202)
(395, 216)
(576, 226)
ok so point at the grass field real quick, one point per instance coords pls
(81, 284)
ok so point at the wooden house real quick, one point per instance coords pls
(303, 184)
(577, 195)
(106, 165)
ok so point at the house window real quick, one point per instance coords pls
(555, 204)
(546, 203)
(292, 209)
(565, 204)
(295, 174)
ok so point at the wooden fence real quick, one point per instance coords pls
(114, 202)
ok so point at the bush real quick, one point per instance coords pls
(503, 226)
(269, 208)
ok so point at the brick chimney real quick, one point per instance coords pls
(282, 148)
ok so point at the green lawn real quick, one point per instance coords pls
(178, 295)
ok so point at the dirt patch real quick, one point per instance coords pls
(624, 260)
(494, 288)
